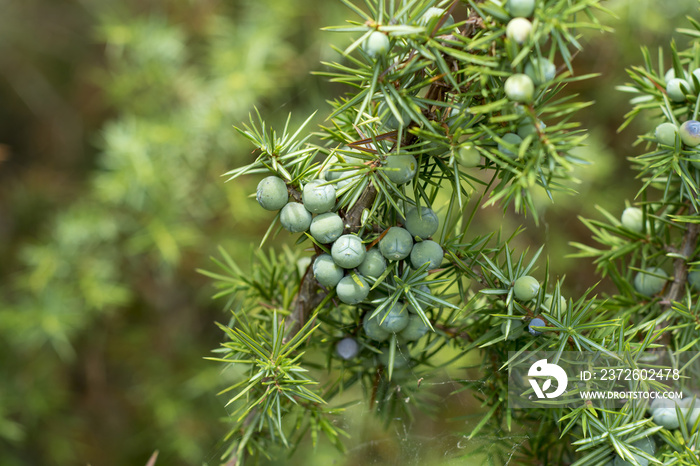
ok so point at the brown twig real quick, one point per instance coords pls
(152, 459)
(453, 332)
(680, 271)
(353, 217)
(680, 265)
(308, 297)
(375, 385)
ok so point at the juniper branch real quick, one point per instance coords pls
(680, 271)
(307, 298)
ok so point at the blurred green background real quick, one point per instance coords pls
(115, 127)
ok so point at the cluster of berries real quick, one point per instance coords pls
(651, 280)
(398, 168)
(400, 319)
(679, 90)
(317, 198)
(527, 288)
(520, 87)
(663, 412)
(349, 253)
(396, 244)
(689, 134)
(349, 264)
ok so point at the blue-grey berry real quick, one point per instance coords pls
(647, 284)
(400, 168)
(666, 133)
(377, 44)
(396, 244)
(456, 118)
(351, 292)
(348, 251)
(347, 348)
(431, 14)
(391, 123)
(326, 271)
(540, 70)
(318, 197)
(374, 264)
(351, 159)
(519, 88)
(663, 412)
(414, 330)
(690, 133)
(526, 288)
(295, 218)
(426, 252)
(549, 299)
(671, 74)
(536, 322)
(372, 328)
(395, 319)
(422, 223)
(632, 219)
(518, 30)
(468, 156)
(331, 171)
(520, 7)
(677, 89)
(511, 139)
(272, 193)
(326, 228)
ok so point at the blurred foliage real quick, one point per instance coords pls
(116, 124)
(103, 321)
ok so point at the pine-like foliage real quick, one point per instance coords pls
(451, 108)
(650, 254)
